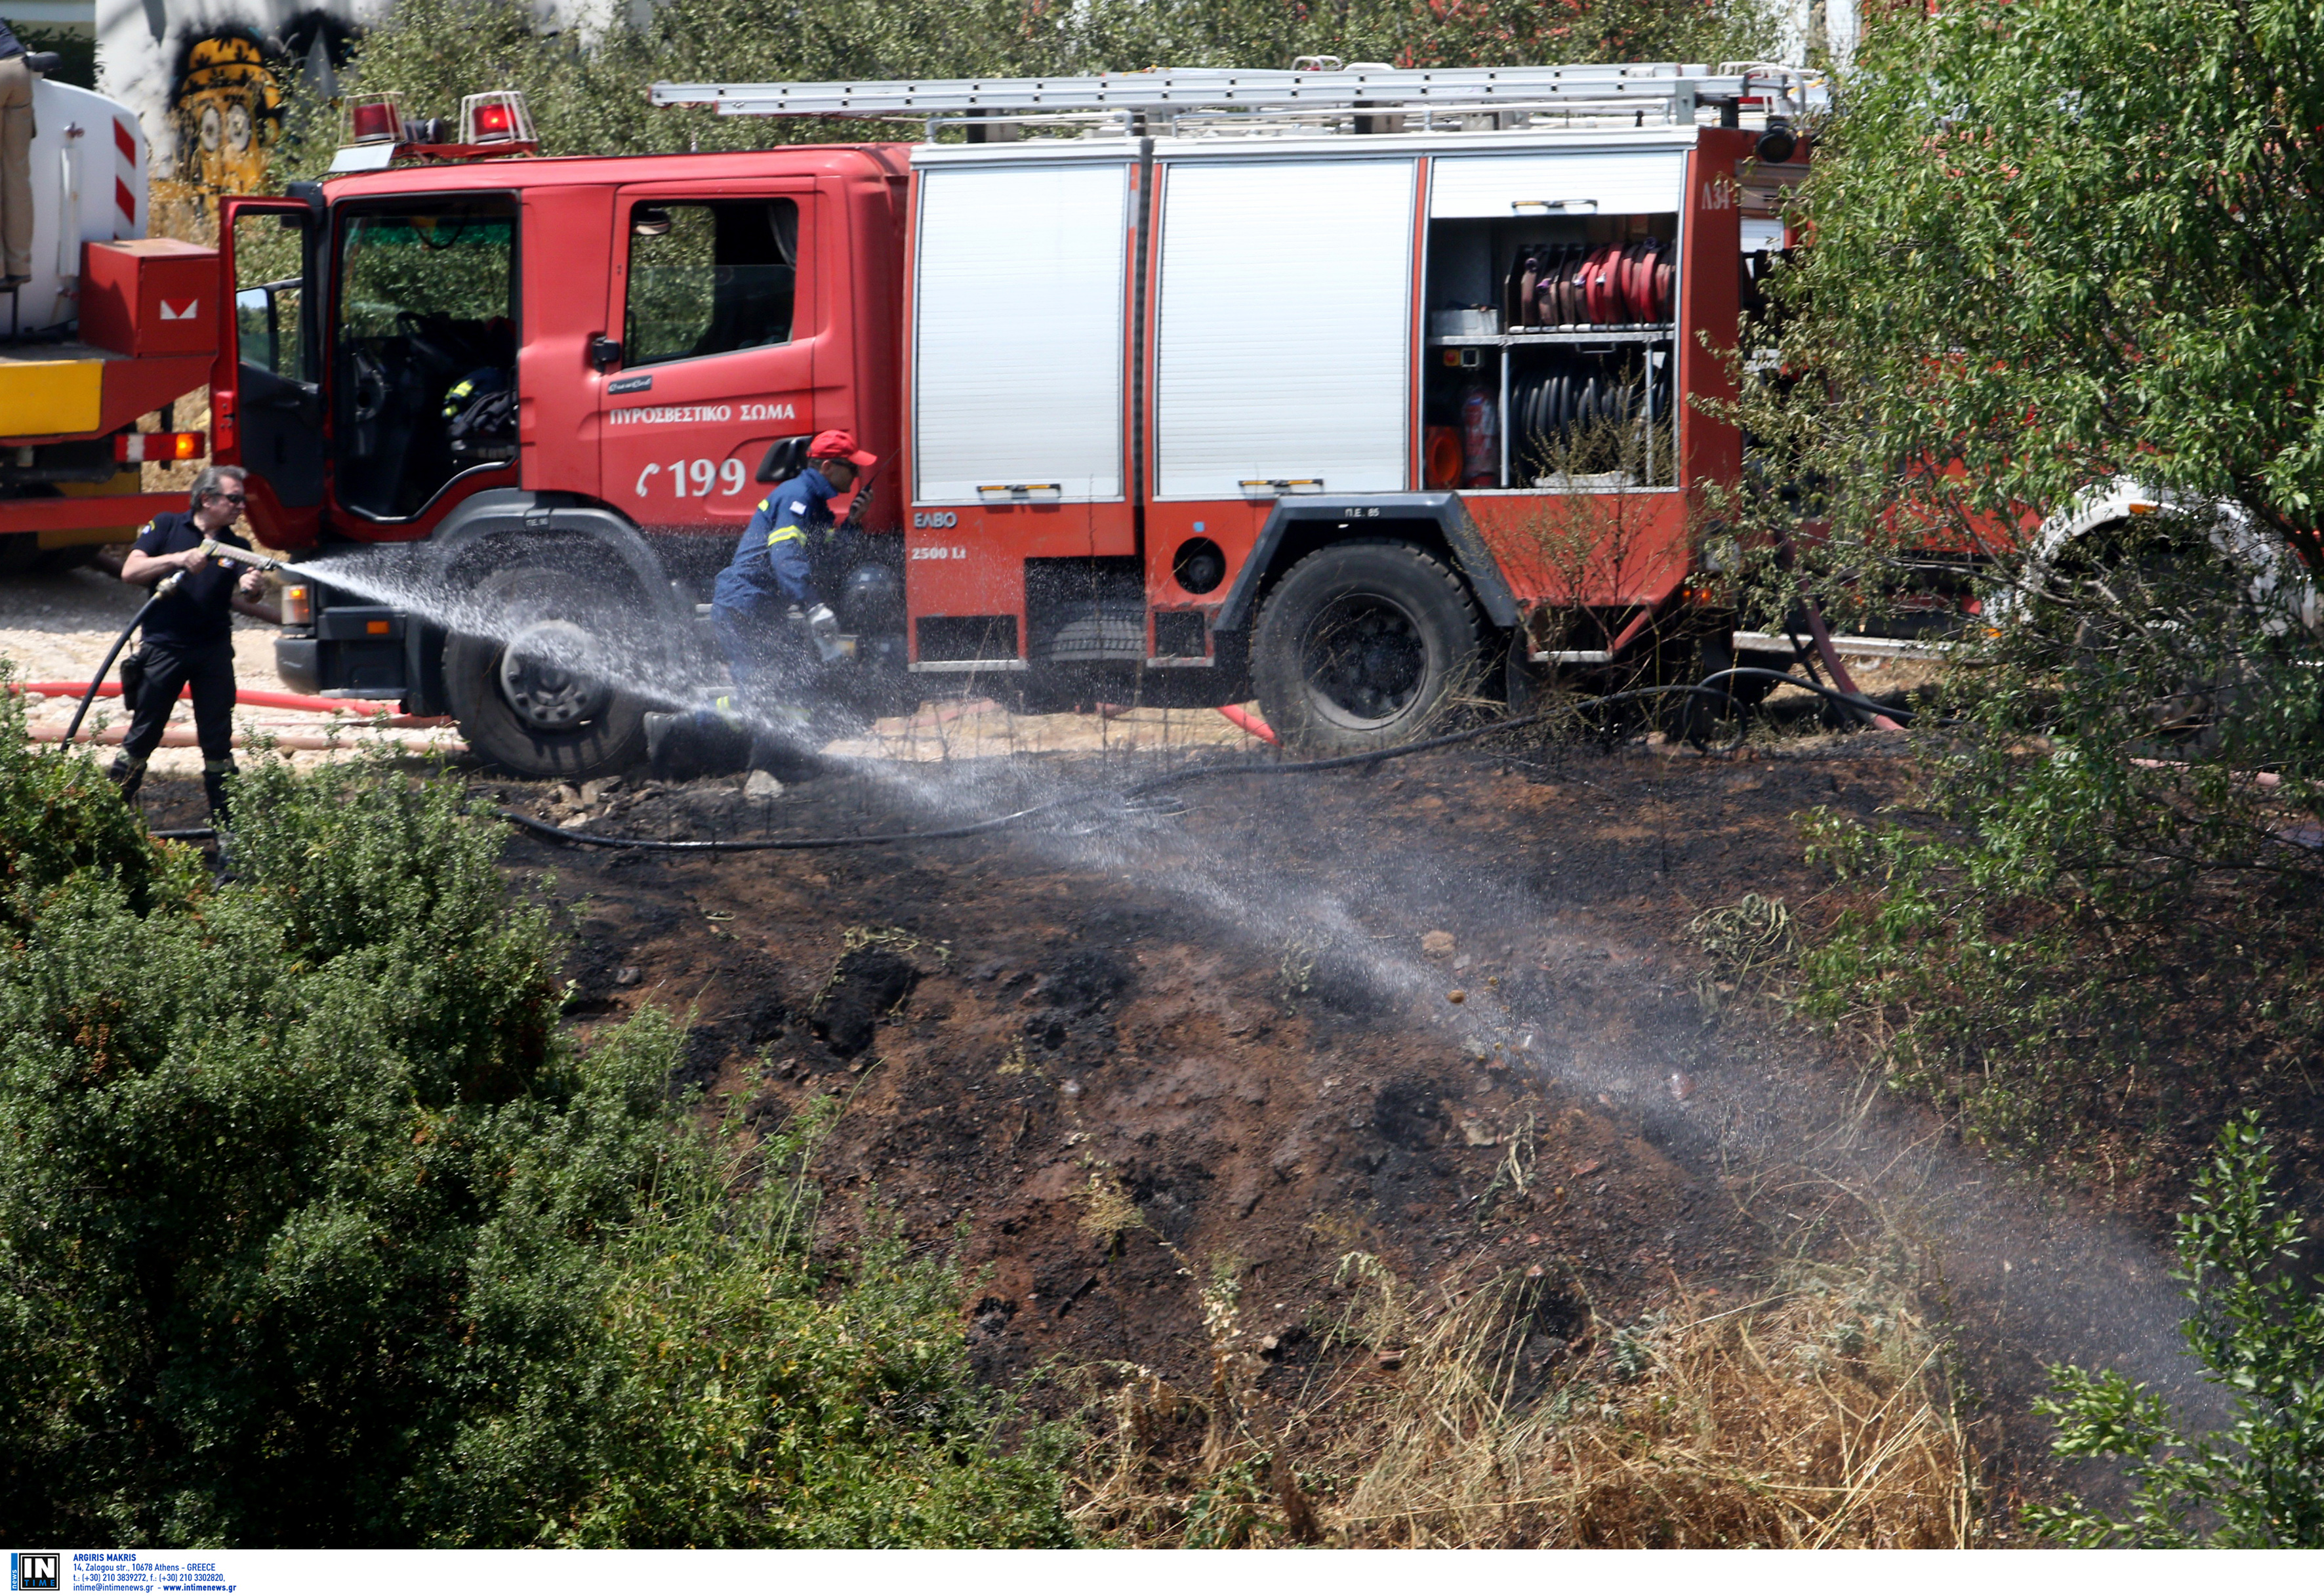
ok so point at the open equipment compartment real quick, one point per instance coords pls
(1552, 290)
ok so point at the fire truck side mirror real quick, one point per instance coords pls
(785, 458)
(604, 353)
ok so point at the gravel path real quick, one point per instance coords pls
(57, 628)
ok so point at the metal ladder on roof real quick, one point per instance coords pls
(1676, 92)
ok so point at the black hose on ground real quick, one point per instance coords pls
(105, 669)
(1180, 777)
(1152, 784)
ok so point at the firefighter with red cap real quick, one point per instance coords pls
(770, 623)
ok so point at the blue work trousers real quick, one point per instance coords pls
(773, 665)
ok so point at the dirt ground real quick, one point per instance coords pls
(1290, 1021)
(1258, 1025)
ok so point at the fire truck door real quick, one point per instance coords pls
(266, 403)
(713, 295)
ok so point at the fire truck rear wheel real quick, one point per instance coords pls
(1364, 645)
(534, 699)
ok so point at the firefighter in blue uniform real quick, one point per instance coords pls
(765, 612)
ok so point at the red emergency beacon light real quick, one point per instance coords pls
(374, 134)
(498, 117)
(373, 119)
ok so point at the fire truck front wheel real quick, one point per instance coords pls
(533, 686)
(1362, 645)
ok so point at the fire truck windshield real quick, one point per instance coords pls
(425, 353)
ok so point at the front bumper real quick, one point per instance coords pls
(298, 660)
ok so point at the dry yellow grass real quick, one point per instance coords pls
(1106, 1208)
(1816, 1417)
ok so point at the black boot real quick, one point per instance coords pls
(775, 755)
(128, 775)
(214, 775)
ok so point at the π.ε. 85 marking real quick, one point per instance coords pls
(695, 478)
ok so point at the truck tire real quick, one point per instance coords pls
(526, 700)
(2183, 578)
(1364, 645)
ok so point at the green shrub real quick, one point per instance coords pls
(60, 817)
(315, 1230)
(743, 1402)
(2038, 267)
(2258, 1330)
(2097, 920)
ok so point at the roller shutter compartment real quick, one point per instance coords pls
(1601, 182)
(1017, 355)
(1284, 326)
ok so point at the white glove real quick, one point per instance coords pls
(822, 623)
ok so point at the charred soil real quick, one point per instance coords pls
(1449, 1014)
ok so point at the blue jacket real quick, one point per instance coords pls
(769, 563)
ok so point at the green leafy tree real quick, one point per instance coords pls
(2053, 246)
(316, 1228)
(2055, 243)
(587, 92)
(2258, 1329)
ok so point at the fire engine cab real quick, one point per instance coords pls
(1351, 389)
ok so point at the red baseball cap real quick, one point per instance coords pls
(840, 446)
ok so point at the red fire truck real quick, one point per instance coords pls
(1348, 389)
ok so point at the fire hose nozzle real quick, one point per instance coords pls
(214, 549)
(211, 549)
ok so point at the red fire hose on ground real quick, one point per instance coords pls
(344, 736)
(1249, 722)
(99, 687)
(244, 695)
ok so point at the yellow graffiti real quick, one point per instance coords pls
(228, 109)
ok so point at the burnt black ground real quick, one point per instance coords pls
(1231, 1014)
